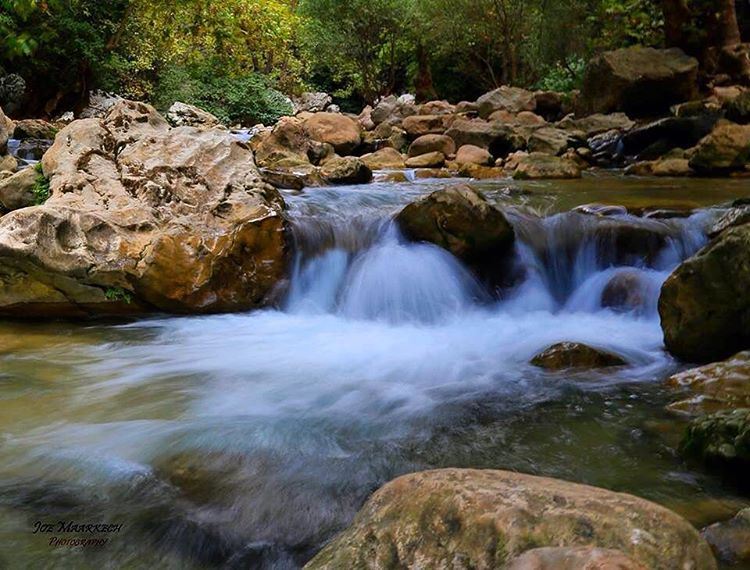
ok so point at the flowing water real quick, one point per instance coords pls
(248, 440)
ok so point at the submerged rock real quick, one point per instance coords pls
(730, 540)
(460, 220)
(638, 80)
(465, 518)
(626, 291)
(143, 217)
(714, 387)
(705, 304)
(575, 355)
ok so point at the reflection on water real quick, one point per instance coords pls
(248, 440)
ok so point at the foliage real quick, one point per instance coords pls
(245, 99)
(563, 76)
(40, 190)
(118, 294)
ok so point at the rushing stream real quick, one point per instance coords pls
(248, 440)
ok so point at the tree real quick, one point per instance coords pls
(696, 26)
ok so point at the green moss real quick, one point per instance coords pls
(40, 189)
(118, 294)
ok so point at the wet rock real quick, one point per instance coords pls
(736, 216)
(704, 304)
(498, 138)
(435, 159)
(626, 291)
(385, 158)
(339, 131)
(283, 179)
(543, 166)
(184, 115)
(574, 355)
(725, 149)
(721, 441)
(730, 540)
(432, 143)
(345, 170)
(597, 124)
(549, 140)
(658, 138)
(34, 129)
(464, 518)
(638, 80)
(714, 387)
(511, 99)
(460, 220)
(18, 190)
(470, 154)
(419, 125)
(574, 558)
(143, 217)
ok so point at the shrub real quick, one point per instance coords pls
(41, 186)
(563, 76)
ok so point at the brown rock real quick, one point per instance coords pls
(727, 148)
(499, 138)
(730, 540)
(285, 145)
(512, 99)
(470, 154)
(572, 558)
(479, 172)
(626, 291)
(434, 159)
(335, 129)
(345, 170)
(6, 131)
(465, 518)
(34, 129)
(432, 143)
(143, 217)
(572, 355)
(18, 190)
(549, 140)
(544, 166)
(385, 158)
(419, 125)
(8, 163)
(436, 108)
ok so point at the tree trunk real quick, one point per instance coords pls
(696, 26)
(425, 90)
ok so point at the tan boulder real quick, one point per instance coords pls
(34, 129)
(345, 170)
(6, 131)
(432, 143)
(419, 125)
(437, 108)
(483, 519)
(338, 130)
(435, 159)
(385, 158)
(18, 190)
(8, 163)
(725, 149)
(470, 154)
(286, 143)
(480, 172)
(549, 140)
(184, 115)
(143, 217)
(574, 558)
(572, 355)
(538, 165)
(512, 99)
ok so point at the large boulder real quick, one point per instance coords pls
(470, 154)
(511, 99)
(432, 143)
(639, 81)
(538, 165)
(723, 385)
(143, 217)
(460, 220)
(338, 130)
(498, 138)
(287, 144)
(597, 124)
(384, 158)
(549, 140)
(34, 129)
(725, 149)
(705, 304)
(418, 125)
(575, 355)
(465, 518)
(573, 558)
(345, 170)
(17, 191)
(656, 139)
(184, 115)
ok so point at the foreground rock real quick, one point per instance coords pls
(714, 387)
(460, 220)
(705, 305)
(143, 217)
(730, 540)
(638, 81)
(571, 558)
(463, 518)
(574, 355)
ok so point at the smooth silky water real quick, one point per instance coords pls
(248, 440)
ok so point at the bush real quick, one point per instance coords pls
(564, 77)
(245, 99)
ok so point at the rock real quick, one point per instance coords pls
(549, 104)
(730, 540)
(736, 216)
(467, 108)
(639, 81)
(100, 103)
(696, 108)
(385, 158)
(597, 124)
(483, 519)
(419, 125)
(34, 129)
(12, 92)
(346, 170)
(574, 355)
(339, 131)
(18, 190)
(499, 139)
(143, 218)
(738, 109)
(668, 167)
(549, 140)
(398, 140)
(432, 143)
(184, 115)
(721, 441)
(627, 291)
(8, 163)
(6, 131)
(705, 305)
(470, 154)
(543, 166)
(365, 119)
(434, 159)
(480, 172)
(512, 99)
(572, 558)
(460, 220)
(658, 138)
(393, 109)
(287, 144)
(725, 149)
(283, 179)
(437, 108)
(714, 387)
(310, 102)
